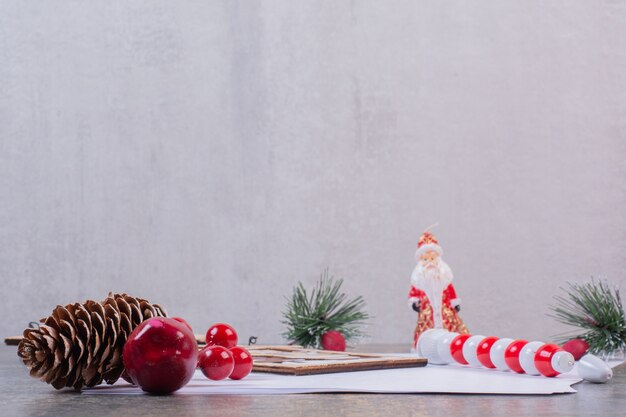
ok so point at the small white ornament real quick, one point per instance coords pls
(593, 369)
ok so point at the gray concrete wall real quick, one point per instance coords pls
(208, 155)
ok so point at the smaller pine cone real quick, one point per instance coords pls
(80, 345)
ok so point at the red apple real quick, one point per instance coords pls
(221, 334)
(216, 362)
(243, 363)
(160, 355)
(333, 340)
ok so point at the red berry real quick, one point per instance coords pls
(183, 321)
(216, 362)
(333, 340)
(222, 335)
(483, 351)
(243, 363)
(577, 347)
(511, 355)
(160, 355)
(456, 348)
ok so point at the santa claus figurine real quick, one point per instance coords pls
(432, 294)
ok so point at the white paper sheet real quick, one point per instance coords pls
(430, 379)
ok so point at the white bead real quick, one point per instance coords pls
(443, 347)
(562, 362)
(527, 357)
(469, 350)
(496, 354)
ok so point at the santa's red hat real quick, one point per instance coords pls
(427, 242)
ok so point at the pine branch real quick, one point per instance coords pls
(597, 311)
(309, 316)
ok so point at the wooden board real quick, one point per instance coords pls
(295, 360)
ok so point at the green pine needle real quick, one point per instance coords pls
(309, 316)
(596, 309)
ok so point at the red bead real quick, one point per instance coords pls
(243, 363)
(543, 359)
(483, 350)
(456, 348)
(333, 340)
(511, 355)
(160, 355)
(222, 335)
(216, 362)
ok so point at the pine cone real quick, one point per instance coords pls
(80, 345)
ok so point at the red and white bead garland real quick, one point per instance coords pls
(533, 358)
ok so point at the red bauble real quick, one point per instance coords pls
(456, 348)
(511, 355)
(216, 362)
(183, 321)
(160, 355)
(577, 347)
(333, 340)
(243, 363)
(222, 335)
(483, 351)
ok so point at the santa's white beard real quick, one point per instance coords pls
(433, 280)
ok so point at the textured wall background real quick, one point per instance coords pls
(208, 155)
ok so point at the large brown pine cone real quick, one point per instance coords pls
(80, 345)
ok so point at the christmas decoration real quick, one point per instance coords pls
(593, 369)
(333, 340)
(597, 310)
(309, 316)
(222, 358)
(432, 295)
(534, 358)
(221, 334)
(577, 347)
(216, 362)
(243, 363)
(80, 345)
(160, 355)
